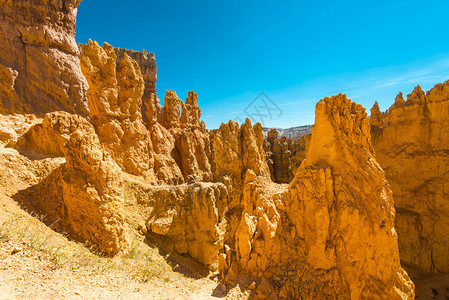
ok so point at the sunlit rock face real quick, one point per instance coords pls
(84, 196)
(330, 232)
(39, 49)
(411, 144)
(123, 160)
(175, 150)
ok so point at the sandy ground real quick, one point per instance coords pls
(38, 263)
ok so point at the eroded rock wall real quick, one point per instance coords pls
(39, 49)
(188, 219)
(412, 146)
(175, 150)
(151, 107)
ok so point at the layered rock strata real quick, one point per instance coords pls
(39, 51)
(412, 146)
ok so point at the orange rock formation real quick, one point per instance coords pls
(85, 194)
(39, 48)
(412, 148)
(329, 233)
(124, 160)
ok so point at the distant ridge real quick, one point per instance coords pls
(291, 133)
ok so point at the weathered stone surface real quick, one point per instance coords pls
(188, 218)
(115, 101)
(171, 112)
(329, 233)
(8, 96)
(376, 118)
(147, 63)
(14, 126)
(351, 206)
(173, 151)
(281, 155)
(412, 149)
(85, 194)
(239, 149)
(191, 112)
(38, 45)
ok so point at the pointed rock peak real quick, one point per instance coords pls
(170, 94)
(191, 112)
(272, 134)
(399, 98)
(171, 112)
(339, 123)
(248, 122)
(376, 118)
(417, 96)
(398, 102)
(439, 93)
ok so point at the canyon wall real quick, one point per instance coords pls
(284, 155)
(412, 145)
(39, 51)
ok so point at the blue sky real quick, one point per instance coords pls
(297, 52)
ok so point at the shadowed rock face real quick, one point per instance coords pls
(412, 146)
(284, 155)
(38, 45)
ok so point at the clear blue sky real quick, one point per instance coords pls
(297, 52)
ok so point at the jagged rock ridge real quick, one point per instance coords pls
(412, 143)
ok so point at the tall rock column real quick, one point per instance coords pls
(115, 101)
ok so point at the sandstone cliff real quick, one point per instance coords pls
(115, 100)
(39, 49)
(151, 107)
(411, 145)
